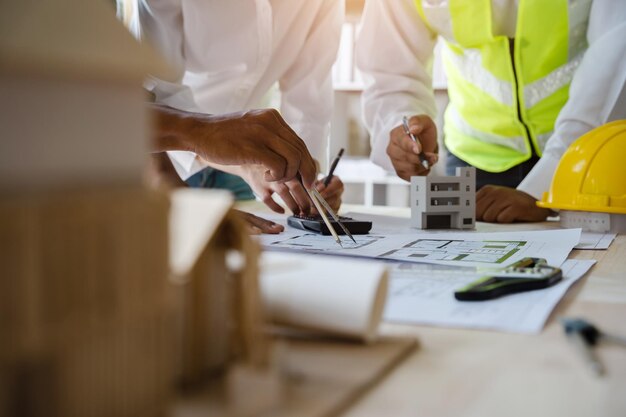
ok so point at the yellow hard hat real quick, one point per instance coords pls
(591, 175)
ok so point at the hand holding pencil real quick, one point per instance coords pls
(331, 187)
(413, 146)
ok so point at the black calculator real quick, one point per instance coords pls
(316, 224)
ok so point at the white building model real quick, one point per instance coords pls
(444, 202)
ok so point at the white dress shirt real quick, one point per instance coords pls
(395, 52)
(232, 52)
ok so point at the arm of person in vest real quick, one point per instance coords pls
(597, 95)
(306, 104)
(395, 53)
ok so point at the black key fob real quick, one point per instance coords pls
(527, 274)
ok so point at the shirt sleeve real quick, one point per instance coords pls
(597, 93)
(395, 55)
(160, 23)
(306, 88)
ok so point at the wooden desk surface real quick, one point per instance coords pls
(485, 373)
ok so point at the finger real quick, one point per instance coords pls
(292, 154)
(269, 202)
(307, 167)
(335, 186)
(421, 123)
(507, 215)
(333, 192)
(406, 143)
(334, 202)
(264, 225)
(282, 158)
(433, 158)
(260, 146)
(491, 213)
(410, 169)
(484, 198)
(253, 230)
(285, 193)
(397, 153)
(533, 214)
(425, 129)
(301, 196)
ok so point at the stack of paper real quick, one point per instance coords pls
(422, 293)
(429, 266)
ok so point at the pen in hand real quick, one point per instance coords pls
(332, 168)
(423, 160)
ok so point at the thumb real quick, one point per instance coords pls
(416, 127)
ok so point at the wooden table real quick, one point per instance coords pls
(474, 373)
(483, 373)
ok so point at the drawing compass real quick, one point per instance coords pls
(320, 204)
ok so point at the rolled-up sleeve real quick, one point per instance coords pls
(306, 88)
(160, 23)
(395, 55)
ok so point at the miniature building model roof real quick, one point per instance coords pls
(194, 218)
(72, 38)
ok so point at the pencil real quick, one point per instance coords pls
(332, 168)
(423, 160)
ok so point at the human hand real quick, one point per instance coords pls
(404, 153)
(498, 204)
(292, 193)
(331, 193)
(256, 137)
(257, 225)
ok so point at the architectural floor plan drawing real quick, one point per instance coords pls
(317, 243)
(487, 251)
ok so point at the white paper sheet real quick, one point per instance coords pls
(339, 296)
(488, 250)
(423, 294)
(595, 241)
(398, 225)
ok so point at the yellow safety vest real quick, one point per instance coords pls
(505, 95)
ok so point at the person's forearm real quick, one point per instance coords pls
(171, 125)
(231, 169)
(173, 133)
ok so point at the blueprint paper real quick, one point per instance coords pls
(424, 294)
(486, 250)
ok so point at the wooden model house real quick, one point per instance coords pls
(214, 268)
(90, 322)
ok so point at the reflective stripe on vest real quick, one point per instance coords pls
(503, 102)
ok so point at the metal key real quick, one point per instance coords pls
(613, 338)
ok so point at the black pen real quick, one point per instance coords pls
(423, 160)
(332, 168)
